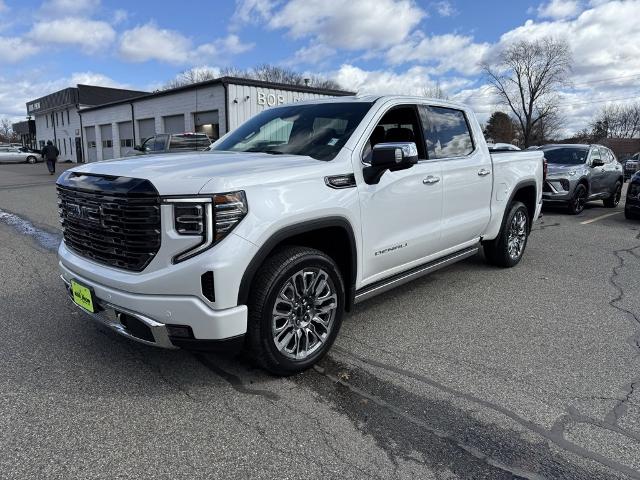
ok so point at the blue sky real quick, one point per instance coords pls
(378, 46)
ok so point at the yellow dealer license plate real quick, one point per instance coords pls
(82, 296)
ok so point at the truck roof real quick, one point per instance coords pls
(382, 98)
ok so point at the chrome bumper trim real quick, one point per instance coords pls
(109, 317)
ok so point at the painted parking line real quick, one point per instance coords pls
(587, 222)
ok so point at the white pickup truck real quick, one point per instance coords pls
(288, 221)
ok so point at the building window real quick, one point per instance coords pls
(64, 142)
(68, 121)
(107, 144)
(41, 144)
(62, 118)
(70, 147)
(46, 119)
(91, 143)
(57, 121)
(126, 142)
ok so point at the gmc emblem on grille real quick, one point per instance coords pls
(89, 214)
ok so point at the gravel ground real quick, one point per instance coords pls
(472, 372)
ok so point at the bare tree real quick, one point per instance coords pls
(527, 77)
(265, 72)
(616, 121)
(435, 91)
(6, 131)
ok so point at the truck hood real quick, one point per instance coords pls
(188, 174)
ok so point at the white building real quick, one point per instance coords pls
(214, 107)
(56, 116)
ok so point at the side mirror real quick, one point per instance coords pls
(390, 156)
(597, 162)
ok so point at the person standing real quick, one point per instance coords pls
(50, 154)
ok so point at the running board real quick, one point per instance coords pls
(401, 278)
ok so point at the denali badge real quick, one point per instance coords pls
(390, 249)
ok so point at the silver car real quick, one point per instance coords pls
(578, 174)
(9, 154)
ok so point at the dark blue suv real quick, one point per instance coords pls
(632, 205)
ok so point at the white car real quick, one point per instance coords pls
(9, 154)
(289, 220)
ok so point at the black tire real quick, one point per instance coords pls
(497, 251)
(273, 276)
(31, 159)
(616, 195)
(579, 200)
(629, 215)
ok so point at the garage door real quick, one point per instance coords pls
(146, 128)
(174, 124)
(125, 130)
(208, 122)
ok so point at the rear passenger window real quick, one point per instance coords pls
(446, 132)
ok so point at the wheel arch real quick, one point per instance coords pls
(527, 193)
(332, 235)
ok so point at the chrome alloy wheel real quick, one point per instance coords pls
(303, 313)
(517, 235)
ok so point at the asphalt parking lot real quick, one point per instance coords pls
(472, 372)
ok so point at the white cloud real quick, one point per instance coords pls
(445, 8)
(120, 16)
(17, 90)
(413, 81)
(448, 52)
(70, 7)
(148, 42)
(252, 11)
(349, 24)
(90, 35)
(312, 55)
(3, 6)
(14, 49)
(559, 9)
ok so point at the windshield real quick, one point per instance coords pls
(566, 155)
(318, 130)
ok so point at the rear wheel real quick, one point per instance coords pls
(507, 250)
(295, 310)
(31, 159)
(629, 215)
(579, 200)
(615, 197)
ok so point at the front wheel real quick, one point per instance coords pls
(295, 310)
(579, 200)
(615, 197)
(507, 249)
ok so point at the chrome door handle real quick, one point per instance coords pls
(483, 172)
(430, 180)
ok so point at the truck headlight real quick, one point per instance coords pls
(210, 218)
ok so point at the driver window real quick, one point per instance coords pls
(400, 124)
(595, 154)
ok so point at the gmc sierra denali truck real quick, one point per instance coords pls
(288, 221)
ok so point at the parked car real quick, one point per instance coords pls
(290, 219)
(16, 155)
(631, 166)
(496, 147)
(173, 143)
(632, 203)
(578, 174)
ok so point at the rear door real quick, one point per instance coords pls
(467, 175)
(612, 169)
(401, 214)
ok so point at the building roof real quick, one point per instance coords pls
(80, 95)
(225, 81)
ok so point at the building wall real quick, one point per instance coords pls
(63, 134)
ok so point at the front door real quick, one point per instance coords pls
(598, 173)
(401, 214)
(467, 176)
(79, 150)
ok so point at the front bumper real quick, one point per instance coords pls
(557, 190)
(157, 312)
